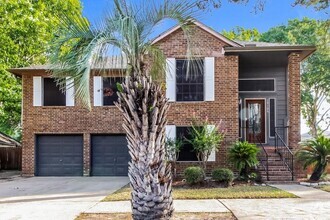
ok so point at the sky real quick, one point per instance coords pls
(228, 16)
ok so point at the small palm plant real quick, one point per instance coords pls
(244, 156)
(127, 31)
(315, 152)
(173, 148)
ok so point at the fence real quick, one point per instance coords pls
(10, 158)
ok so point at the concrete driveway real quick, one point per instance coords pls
(54, 197)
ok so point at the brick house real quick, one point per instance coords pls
(253, 87)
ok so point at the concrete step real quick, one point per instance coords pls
(281, 182)
(276, 178)
(276, 173)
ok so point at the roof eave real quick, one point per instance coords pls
(202, 26)
(306, 50)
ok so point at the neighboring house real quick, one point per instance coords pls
(10, 153)
(252, 87)
(7, 141)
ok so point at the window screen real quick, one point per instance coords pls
(53, 96)
(110, 90)
(189, 87)
(272, 118)
(186, 153)
(255, 85)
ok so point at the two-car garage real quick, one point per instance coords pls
(63, 155)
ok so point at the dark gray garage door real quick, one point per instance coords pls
(109, 155)
(59, 155)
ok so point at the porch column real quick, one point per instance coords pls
(294, 103)
(294, 100)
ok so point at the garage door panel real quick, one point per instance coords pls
(59, 155)
(109, 155)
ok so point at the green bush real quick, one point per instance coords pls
(244, 156)
(253, 176)
(194, 175)
(223, 175)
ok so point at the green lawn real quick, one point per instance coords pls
(237, 192)
(325, 188)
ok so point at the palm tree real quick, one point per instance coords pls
(127, 29)
(315, 152)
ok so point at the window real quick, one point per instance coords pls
(186, 153)
(53, 96)
(110, 90)
(256, 85)
(240, 117)
(190, 88)
(272, 118)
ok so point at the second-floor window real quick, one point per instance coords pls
(190, 80)
(52, 94)
(110, 90)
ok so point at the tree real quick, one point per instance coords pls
(26, 28)
(126, 31)
(205, 139)
(315, 78)
(259, 5)
(240, 33)
(316, 153)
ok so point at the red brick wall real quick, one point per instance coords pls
(77, 120)
(294, 101)
(225, 106)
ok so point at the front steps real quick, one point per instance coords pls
(278, 172)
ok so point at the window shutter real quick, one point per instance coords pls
(69, 93)
(98, 91)
(209, 79)
(171, 79)
(37, 91)
(170, 131)
(212, 155)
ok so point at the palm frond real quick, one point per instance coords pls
(125, 33)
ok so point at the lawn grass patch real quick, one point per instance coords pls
(177, 216)
(237, 192)
(324, 188)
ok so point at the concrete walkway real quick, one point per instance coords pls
(312, 204)
(206, 205)
(58, 198)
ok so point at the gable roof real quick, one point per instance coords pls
(5, 140)
(203, 27)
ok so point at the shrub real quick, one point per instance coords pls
(223, 175)
(315, 152)
(194, 175)
(253, 176)
(244, 156)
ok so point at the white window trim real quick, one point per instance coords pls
(275, 118)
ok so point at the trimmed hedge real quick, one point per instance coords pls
(194, 175)
(223, 175)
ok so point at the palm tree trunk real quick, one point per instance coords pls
(318, 171)
(145, 108)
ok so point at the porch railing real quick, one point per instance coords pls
(281, 148)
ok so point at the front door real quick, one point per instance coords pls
(255, 122)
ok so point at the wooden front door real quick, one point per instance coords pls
(255, 122)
